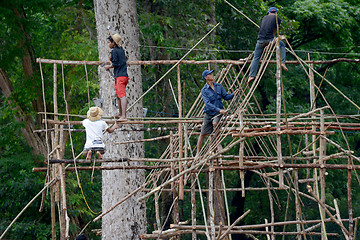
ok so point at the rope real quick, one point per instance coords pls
(174, 66)
(72, 145)
(87, 84)
(47, 176)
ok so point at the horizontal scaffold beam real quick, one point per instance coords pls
(229, 168)
(193, 62)
(254, 226)
(283, 132)
(248, 160)
(167, 235)
(49, 121)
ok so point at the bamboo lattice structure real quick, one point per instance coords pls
(245, 141)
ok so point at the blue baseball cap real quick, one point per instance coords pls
(206, 72)
(273, 10)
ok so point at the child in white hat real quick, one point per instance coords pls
(95, 128)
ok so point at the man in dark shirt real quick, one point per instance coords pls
(266, 35)
(118, 62)
(212, 94)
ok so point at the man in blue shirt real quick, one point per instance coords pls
(212, 93)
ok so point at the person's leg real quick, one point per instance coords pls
(200, 143)
(98, 154)
(206, 129)
(215, 123)
(123, 81)
(123, 103)
(283, 55)
(88, 155)
(259, 48)
(119, 105)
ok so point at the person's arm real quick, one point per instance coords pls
(112, 129)
(225, 95)
(208, 103)
(115, 61)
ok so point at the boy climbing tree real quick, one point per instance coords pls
(118, 62)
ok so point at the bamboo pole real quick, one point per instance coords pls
(91, 168)
(200, 163)
(193, 206)
(241, 156)
(339, 223)
(297, 203)
(144, 140)
(181, 180)
(50, 183)
(322, 153)
(282, 132)
(249, 116)
(306, 114)
(118, 203)
(157, 213)
(169, 235)
(229, 168)
(271, 204)
(249, 160)
(211, 200)
(63, 211)
(55, 147)
(173, 184)
(175, 65)
(258, 226)
(337, 215)
(192, 62)
(247, 123)
(49, 121)
(234, 223)
(349, 197)
(278, 111)
(53, 212)
(267, 229)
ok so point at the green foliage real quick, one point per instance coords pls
(168, 29)
(18, 185)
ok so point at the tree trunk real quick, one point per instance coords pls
(128, 220)
(35, 141)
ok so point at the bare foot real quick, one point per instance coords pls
(122, 119)
(250, 79)
(117, 116)
(88, 155)
(284, 67)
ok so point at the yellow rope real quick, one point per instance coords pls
(72, 145)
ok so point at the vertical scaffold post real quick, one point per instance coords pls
(181, 180)
(173, 184)
(278, 113)
(241, 156)
(322, 153)
(52, 189)
(348, 185)
(211, 200)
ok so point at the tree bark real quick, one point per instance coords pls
(128, 220)
(35, 141)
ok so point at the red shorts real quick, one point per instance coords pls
(120, 86)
